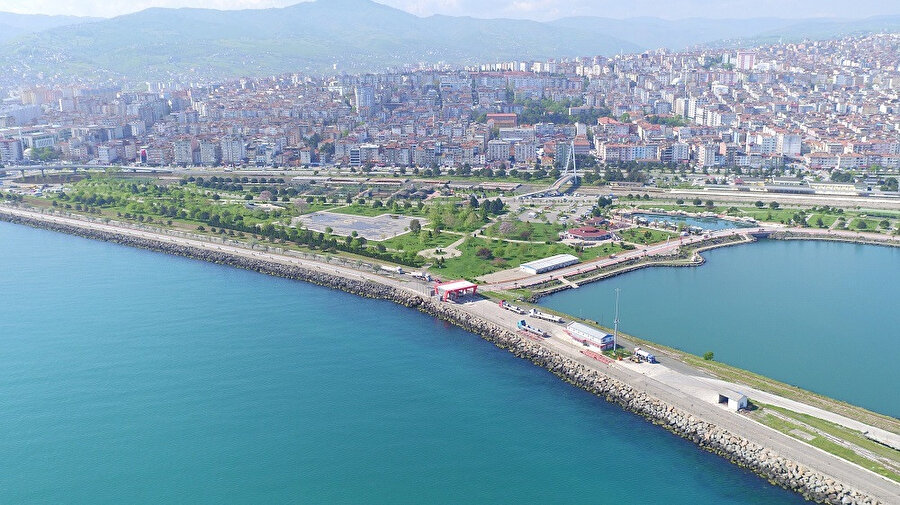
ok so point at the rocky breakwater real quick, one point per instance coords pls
(886, 240)
(766, 463)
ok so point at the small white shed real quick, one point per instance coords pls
(732, 399)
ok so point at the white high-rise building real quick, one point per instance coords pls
(10, 150)
(233, 151)
(210, 153)
(788, 144)
(184, 152)
(364, 97)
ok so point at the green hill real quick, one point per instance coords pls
(354, 35)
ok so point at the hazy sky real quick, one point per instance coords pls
(531, 9)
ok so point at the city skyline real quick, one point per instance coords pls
(539, 10)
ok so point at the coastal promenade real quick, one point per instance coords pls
(662, 249)
(792, 450)
(670, 248)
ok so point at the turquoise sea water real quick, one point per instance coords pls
(824, 316)
(134, 377)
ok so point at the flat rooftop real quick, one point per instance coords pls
(456, 285)
(586, 330)
(559, 259)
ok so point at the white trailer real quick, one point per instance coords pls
(543, 315)
(510, 307)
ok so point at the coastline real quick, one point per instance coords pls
(739, 450)
(696, 259)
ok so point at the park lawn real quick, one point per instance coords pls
(645, 236)
(827, 220)
(600, 251)
(770, 215)
(309, 208)
(503, 255)
(195, 202)
(522, 230)
(417, 242)
(880, 214)
(506, 255)
(870, 224)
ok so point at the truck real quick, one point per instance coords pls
(644, 355)
(508, 306)
(543, 315)
(398, 270)
(425, 276)
(531, 331)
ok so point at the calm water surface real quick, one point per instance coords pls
(134, 377)
(707, 223)
(821, 315)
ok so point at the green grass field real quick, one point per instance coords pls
(870, 225)
(799, 427)
(827, 220)
(501, 255)
(519, 230)
(309, 208)
(645, 236)
(417, 242)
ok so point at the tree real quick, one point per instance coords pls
(759, 204)
(698, 202)
(774, 205)
(484, 253)
(497, 206)
(415, 226)
(604, 201)
(473, 202)
(709, 355)
(710, 204)
(679, 201)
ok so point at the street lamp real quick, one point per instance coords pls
(616, 326)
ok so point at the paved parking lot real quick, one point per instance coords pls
(380, 227)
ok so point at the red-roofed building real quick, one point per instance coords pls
(587, 234)
(503, 120)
